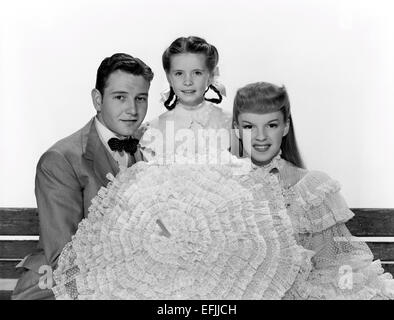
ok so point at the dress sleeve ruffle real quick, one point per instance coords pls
(343, 269)
(149, 148)
(319, 205)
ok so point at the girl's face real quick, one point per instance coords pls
(189, 77)
(262, 135)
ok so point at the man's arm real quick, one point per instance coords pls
(60, 203)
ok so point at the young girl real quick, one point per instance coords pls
(190, 65)
(343, 267)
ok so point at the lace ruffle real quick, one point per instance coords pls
(314, 188)
(297, 254)
(183, 232)
(369, 283)
(317, 203)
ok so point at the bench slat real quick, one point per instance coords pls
(19, 221)
(383, 251)
(5, 294)
(388, 268)
(8, 271)
(372, 222)
(16, 249)
(19, 249)
(367, 222)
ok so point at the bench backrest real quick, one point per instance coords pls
(19, 236)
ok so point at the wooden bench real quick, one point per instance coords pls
(19, 236)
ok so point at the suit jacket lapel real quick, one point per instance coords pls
(102, 161)
(138, 156)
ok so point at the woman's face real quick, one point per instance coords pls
(262, 135)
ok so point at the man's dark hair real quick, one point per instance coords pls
(124, 62)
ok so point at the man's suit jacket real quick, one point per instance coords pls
(68, 176)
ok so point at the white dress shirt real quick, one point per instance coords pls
(105, 134)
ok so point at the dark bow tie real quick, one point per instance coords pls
(129, 145)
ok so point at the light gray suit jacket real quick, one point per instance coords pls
(68, 176)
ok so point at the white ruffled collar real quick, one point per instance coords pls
(275, 163)
(187, 115)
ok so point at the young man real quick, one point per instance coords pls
(72, 171)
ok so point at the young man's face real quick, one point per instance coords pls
(123, 106)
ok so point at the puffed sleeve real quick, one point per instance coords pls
(343, 266)
(150, 139)
(60, 203)
(318, 204)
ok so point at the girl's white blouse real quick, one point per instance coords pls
(200, 118)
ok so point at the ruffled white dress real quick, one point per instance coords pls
(343, 266)
(186, 132)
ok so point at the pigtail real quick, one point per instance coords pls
(214, 100)
(167, 103)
